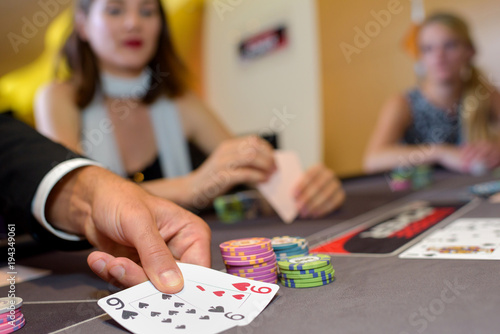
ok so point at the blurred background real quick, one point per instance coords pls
(316, 72)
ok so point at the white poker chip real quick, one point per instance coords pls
(6, 304)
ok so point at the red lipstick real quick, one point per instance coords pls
(133, 43)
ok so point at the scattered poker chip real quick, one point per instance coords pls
(301, 262)
(243, 245)
(252, 258)
(298, 284)
(307, 276)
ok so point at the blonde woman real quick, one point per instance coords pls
(451, 118)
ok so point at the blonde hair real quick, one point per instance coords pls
(476, 104)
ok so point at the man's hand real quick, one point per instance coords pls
(139, 236)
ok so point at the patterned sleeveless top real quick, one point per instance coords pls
(431, 124)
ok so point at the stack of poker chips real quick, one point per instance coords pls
(421, 177)
(251, 258)
(415, 178)
(401, 179)
(286, 246)
(306, 271)
(11, 318)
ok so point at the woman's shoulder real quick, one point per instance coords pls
(399, 101)
(55, 98)
(57, 89)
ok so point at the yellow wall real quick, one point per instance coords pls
(13, 17)
(354, 92)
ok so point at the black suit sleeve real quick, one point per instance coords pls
(25, 158)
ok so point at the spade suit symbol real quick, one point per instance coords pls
(128, 314)
(217, 309)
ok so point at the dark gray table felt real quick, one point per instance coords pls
(369, 295)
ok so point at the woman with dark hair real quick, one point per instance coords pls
(452, 118)
(127, 106)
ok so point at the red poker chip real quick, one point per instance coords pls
(10, 328)
(6, 317)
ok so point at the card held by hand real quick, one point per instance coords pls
(278, 190)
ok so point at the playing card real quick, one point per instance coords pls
(471, 239)
(278, 190)
(210, 302)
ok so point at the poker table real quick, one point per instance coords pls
(369, 295)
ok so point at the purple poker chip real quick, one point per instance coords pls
(244, 245)
(252, 268)
(246, 253)
(262, 277)
(259, 274)
(269, 258)
(272, 280)
(248, 257)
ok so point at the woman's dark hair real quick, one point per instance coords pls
(82, 63)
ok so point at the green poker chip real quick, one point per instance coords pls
(297, 284)
(304, 262)
(309, 280)
(307, 271)
(307, 276)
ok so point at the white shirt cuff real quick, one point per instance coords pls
(45, 187)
